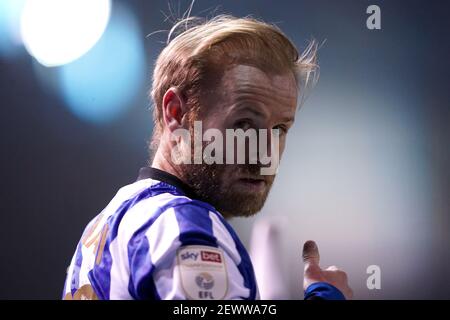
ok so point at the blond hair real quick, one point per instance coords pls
(204, 49)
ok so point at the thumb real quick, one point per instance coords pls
(311, 254)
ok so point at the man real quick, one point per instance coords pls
(166, 236)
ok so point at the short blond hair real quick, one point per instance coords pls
(204, 49)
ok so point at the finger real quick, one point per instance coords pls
(311, 253)
(332, 268)
(350, 294)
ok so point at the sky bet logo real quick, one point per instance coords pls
(211, 256)
(189, 256)
(207, 256)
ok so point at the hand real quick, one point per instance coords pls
(313, 273)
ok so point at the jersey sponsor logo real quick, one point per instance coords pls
(205, 256)
(202, 272)
(189, 255)
(211, 256)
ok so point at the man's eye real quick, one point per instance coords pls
(243, 124)
(283, 129)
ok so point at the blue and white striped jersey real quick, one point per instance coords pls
(154, 240)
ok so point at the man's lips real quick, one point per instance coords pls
(253, 180)
(253, 183)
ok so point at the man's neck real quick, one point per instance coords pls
(163, 162)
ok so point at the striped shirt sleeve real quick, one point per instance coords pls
(186, 253)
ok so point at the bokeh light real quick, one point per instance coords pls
(102, 84)
(56, 32)
(10, 40)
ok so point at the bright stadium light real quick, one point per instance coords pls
(102, 85)
(10, 39)
(56, 32)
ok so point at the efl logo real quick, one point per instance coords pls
(211, 256)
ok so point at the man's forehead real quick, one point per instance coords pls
(245, 79)
(244, 75)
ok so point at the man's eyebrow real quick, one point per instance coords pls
(288, 119)
(242, 106)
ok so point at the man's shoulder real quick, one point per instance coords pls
(146, 203)
(159, 196)
(166, 220)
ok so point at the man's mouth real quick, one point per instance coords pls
(254, 184)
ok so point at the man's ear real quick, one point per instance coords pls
(174, 108)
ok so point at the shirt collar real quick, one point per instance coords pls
(163, 176)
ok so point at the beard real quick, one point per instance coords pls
(218, 184)
(214, 184)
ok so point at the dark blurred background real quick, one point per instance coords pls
(367, 167)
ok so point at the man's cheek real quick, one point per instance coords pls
(226, 175)
(282, 145)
